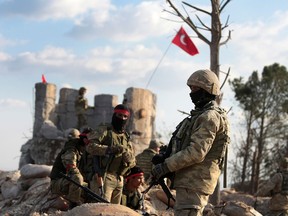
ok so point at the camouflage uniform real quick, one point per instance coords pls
(81, 105)
(67, 161)
(278, 204)
(198, 146)
(197, 156)
(143, 160)
(113, 165)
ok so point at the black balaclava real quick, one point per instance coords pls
(201, 97)
(118, 123)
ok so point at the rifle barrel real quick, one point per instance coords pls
(86, 189)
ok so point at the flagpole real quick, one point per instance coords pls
(158, 65)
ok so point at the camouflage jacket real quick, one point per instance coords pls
(81, 104)
(198, 149)
(69, 155)
(103, 137)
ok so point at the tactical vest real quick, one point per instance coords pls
(284, 188)
(111, 163)
(217, 151)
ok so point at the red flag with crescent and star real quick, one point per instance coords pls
(183, 41)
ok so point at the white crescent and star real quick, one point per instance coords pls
(182, 37)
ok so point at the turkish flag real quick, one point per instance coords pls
(43, 79)
(184, 42)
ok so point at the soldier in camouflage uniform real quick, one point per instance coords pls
(115, 153)
(277, 187)
(68, 162)
(197, 147)
(143, 160)
(81, 105)
(131, 196)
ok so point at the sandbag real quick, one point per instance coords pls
(35, 171)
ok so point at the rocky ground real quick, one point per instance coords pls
(26, 192)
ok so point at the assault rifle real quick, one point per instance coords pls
(85, 189)
(164, 187)
(159, 158)
(165, 152)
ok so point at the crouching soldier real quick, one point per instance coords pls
(67, 162)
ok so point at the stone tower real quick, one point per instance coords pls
(45, 98)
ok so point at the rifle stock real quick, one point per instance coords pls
(164, 187)
(85, 189)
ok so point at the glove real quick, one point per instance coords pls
(158, 158)
(160, 170)
(114, 150)
(71, 170)
(127, 157)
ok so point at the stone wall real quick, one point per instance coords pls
(53, 120)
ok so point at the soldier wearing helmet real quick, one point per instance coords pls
(73, 134)
(277, 188)
(81, 105)
(197, 148)
(69, 161)
(204, 86)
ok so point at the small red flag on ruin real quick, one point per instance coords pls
(43, 79)
(183, 41)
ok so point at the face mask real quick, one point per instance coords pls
(201, 97)
(118, 123)
(196, 97)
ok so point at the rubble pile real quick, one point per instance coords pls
(26, 192)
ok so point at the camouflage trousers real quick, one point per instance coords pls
(189, 202)
(95, 186)
(69, 190)
(82, 121)
(113, 186)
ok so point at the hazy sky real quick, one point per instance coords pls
(109, 46)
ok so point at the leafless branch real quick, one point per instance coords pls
(167, 11)
(228, 38)
(196, 8)
(226, 23)
(227, 75)
(224, 5)
(203, 24)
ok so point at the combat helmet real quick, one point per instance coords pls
(73, 133)
(205, 79)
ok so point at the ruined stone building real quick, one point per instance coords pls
(52, 120)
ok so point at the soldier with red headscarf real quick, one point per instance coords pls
(115, 154)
